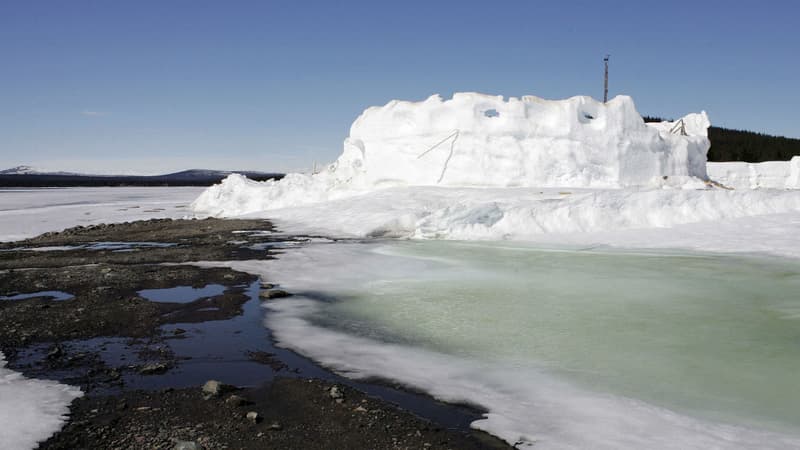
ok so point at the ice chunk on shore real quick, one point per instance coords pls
(765, 175)
(30, 410)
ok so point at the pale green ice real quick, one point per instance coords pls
(713, 336)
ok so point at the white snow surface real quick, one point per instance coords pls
(476, 140)
(481, 140)
(475, 166)
(25, 213)
(708, 219)
(765, 175)
(30, 410)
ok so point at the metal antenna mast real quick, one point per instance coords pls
(605, 82)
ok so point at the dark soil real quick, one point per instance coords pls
(103, 335)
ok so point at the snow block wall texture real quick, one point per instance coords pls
(476, 140)
(482, 140)
(765, 175)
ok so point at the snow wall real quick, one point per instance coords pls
(482, 140)
(765, 175)
(477, 140)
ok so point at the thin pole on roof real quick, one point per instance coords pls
(605, 81)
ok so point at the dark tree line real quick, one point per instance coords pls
(740, 145)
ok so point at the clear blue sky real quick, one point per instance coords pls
(143, 86)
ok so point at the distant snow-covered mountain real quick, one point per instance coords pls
(19, 170)
(28, 170)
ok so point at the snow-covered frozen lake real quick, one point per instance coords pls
(29, 212)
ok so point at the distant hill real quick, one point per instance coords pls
(28, 170)
(25, 176)
(739, 145)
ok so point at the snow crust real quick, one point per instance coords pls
(765, 175)
(30, 410)
(580, 216)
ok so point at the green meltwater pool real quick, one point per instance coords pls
(608, 349)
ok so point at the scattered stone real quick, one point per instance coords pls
(269, 294)
(178, 331)
(267, 285)
(336, 393)
(154, 368)
(360, 409)
(55, 352)
(214, 388)
(187, 445)
(267, 358)
(275, 426)
(235, 400)
(253, 416)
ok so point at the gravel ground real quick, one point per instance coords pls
(73, 310)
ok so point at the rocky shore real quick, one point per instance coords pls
(174, 356)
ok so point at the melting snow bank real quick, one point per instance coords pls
(31, 410)
(525, 404)
(501, 213)
(765, 175)
(480, 167)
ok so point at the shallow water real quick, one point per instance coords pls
(713, 338)
(49, 295)
(182, 294)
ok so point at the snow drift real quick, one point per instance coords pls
(30, 410)
(480, 140)
(765, 175)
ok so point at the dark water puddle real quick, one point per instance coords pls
(192, 353)
(60, 248)
(213, 351)
(119, 246)
(49, 295)
(288, 243)
(272, 245)
(219, 350)
(182, 294)
(97, 246)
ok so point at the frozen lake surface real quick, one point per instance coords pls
(26, 213)
(564, 348)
